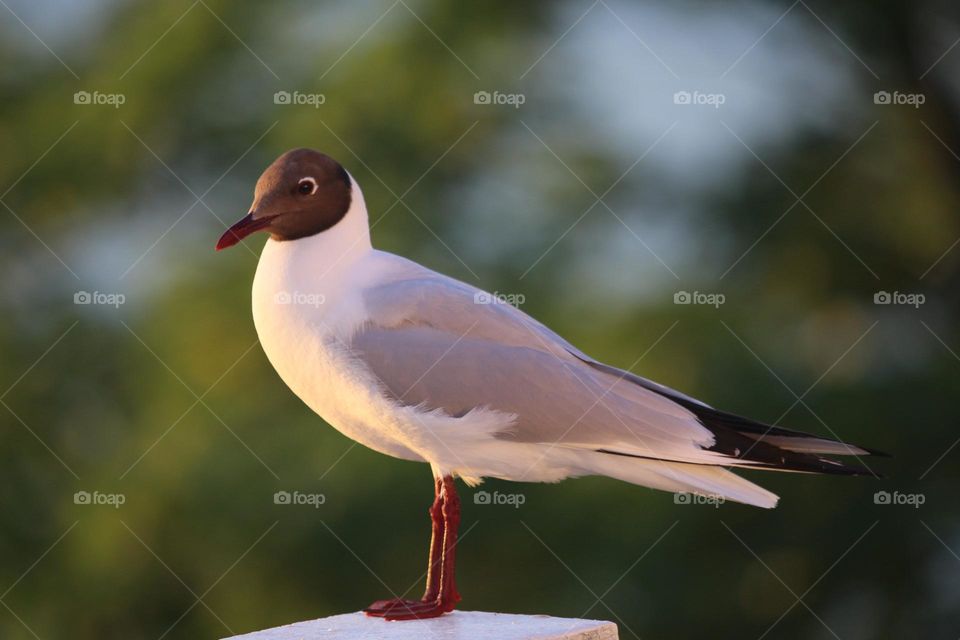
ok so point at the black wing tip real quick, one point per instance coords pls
(729, 426)
(743, 439)
(753, 451)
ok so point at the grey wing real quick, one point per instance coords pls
(441, 344)
(438, 343)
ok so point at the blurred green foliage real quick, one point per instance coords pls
(169, 401)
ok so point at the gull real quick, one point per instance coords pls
(423, 367)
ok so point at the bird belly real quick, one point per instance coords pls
(300, 341)
(322, 377)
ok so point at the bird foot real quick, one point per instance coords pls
(402, 609)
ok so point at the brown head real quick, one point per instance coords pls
(301, 194)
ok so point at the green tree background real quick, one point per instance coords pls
(596, 200)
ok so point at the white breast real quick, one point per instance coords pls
(306, 303)
(303, 319)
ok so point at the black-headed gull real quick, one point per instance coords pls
(423, 367)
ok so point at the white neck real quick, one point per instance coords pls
(315, 272)
(324, 255)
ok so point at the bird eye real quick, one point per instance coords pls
(307, 186)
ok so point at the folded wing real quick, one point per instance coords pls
(438, 343)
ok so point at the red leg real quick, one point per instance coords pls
(448, 597)
(436, 543)
(451, 518)
(441, 595)
(435, 559)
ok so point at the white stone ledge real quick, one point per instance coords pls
(458, 625)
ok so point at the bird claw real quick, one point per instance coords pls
(402, 609)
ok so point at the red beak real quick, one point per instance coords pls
(243, 227)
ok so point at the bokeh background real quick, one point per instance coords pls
(586, 189)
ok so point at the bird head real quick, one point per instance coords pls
(302, 193)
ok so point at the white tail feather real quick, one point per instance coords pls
(678, 477)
